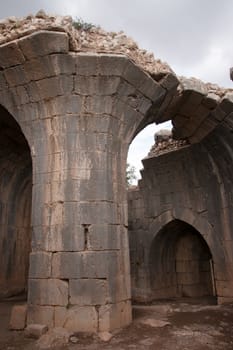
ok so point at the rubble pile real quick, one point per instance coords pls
(83, 37)
(165, 143)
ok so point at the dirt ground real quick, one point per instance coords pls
(170, 325)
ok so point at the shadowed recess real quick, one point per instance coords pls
(180, 263)
(15, 206)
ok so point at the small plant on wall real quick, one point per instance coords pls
(79, 23)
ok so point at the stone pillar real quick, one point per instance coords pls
(80, 113)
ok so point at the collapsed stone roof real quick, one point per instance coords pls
(83, 38)
(194, 107)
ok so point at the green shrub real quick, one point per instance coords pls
(79, 23)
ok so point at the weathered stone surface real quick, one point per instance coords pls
(105, 336)
(114, 316)
(81, 292)
(40, 265)
(18, 317)
(54, 338)
(35, 330)
(164, 197)
(100, 85)
(88, 264)
(43, 43)
(155, 323)
(43, 315)
(48, 292)
(59, 238)
(77, 318)
(10, 55)
(46, 66)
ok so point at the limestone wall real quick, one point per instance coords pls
(78, 113)
(194, 185)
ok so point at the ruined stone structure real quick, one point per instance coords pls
(71, 102)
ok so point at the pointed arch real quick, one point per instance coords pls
(15, 205)
(180, 262)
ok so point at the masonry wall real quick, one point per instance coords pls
(78, 113)
(192, 185)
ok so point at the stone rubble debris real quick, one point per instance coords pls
(165, 143)
(83, 39)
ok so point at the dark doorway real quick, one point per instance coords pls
(15, 207)
(180, 263)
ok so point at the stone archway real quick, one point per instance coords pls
(180, 263)
(15, 207)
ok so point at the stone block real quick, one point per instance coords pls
(112, 64)
(224, 288)
(10, 55)
(86, 64)
(211, 100)
(87, 141)
(227, 103)
(143, 82)
(48, 214)
(88, 191)
(104, 237)
(98, 85)
(40, 265)
(3, 83)
(224, 300)
(43, 67)
(114, 316)
(218, 114)
(35, 330)
(63, 106)
(18, 317)
(43, 43)
(169, 82)
(40, 315)
(99, 212)
(16, 76)
(48, 292)
(119, 285)
(58, 238)
(67, 265)
(88, 292)
(98, 105)
(194, 85)
(99, 264)
(21, 94)
(105, 336)
(77, 318)
(33, 92)
(154, 91)
(55, 86)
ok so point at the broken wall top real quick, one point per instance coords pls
(194, 107)
(85, 38)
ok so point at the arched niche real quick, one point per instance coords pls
(180, 263)
(15, 206)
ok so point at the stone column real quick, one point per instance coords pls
(81, 114)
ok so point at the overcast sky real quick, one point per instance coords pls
(194, 36)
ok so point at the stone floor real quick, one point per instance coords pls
(170, 325)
